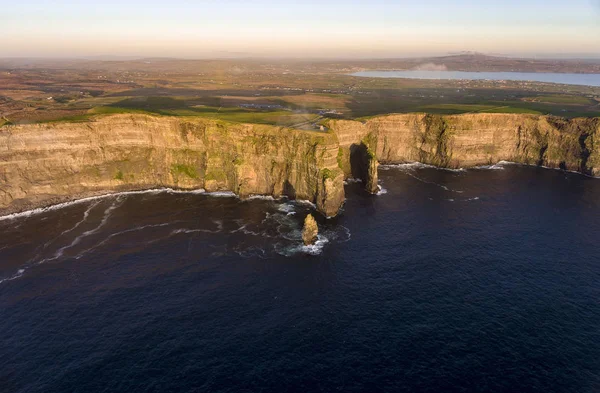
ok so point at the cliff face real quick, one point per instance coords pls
(43, 164)
(478, 139)
(47, 163)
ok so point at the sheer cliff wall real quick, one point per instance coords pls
(475, 139)
(43, 164)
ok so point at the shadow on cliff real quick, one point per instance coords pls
(289, 190)
(359, 161)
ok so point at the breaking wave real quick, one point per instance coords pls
(382, 191)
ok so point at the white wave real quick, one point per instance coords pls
(382, 191)
(185, 230)
(222, 194)
(473, 199)
(136, 229)
(260, 197)
(497, 167)
(244, 229)
(286, 208)
(62, 205)
(18, 274)
(433, 183)
(352, 181)
(418, 165)
(251, 252)
(86, 214)
(316, 248)
(305, 202)
(501, 164)
(450, 200)
(407, 166)
(219, 224)
(77, 240)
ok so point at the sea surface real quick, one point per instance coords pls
(484, 280)
(563, 78)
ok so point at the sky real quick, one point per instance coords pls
(315, 29)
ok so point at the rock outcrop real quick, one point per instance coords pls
(42, 164)
(310, 230)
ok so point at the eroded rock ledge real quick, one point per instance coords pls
(41, 164)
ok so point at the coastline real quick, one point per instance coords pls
(60, 202)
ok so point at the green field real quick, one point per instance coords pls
(562, 99)
(281, 118)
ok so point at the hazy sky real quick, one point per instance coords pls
(325, 28)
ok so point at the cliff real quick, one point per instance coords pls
(475, 139)
(42, 164)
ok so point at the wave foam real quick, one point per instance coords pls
(499, 166)
(418, 165)
(260, 197)
(433, 183)
(316, 248)
(221, 194)
(292, 250)
(287, 208)
(18, 274)
(62, 205)
(77, 240)
(305, 202)
(352, 181)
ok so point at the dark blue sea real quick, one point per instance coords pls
(485, 280)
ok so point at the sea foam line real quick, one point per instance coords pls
(419, 165)
(77, 240)
(58, 206)
(85, 217)
(136, 229)
(14, 276)
(433, 183)
(497, 166)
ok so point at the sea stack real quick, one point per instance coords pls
(371, 173)
(310, 231)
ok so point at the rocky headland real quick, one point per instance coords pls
(43, 164)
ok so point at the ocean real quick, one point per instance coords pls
(479, 280)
